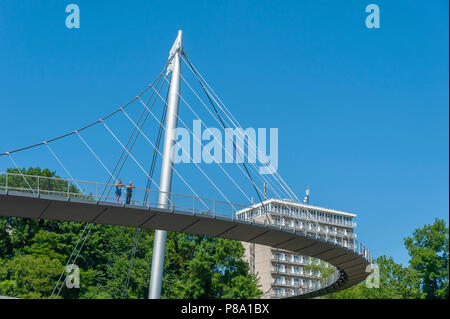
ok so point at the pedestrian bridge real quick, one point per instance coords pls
(187, 214)
(90, 202)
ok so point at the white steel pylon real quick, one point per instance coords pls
(165, 183)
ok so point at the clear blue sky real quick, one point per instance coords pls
(362, 113)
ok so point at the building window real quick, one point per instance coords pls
(277, 291)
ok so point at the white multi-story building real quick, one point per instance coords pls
(282, 272)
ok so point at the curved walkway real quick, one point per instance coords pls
(351, 266)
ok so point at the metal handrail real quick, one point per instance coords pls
(203, 205)
(73, 181)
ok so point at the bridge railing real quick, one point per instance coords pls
(67, 188)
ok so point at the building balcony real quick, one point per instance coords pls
(284, 294)
(320, 231)
(302, 274)
(285, 284)
(290, 261)
(298, 286)
(320, 221)
(287, 273)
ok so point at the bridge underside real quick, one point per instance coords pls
(351, 265)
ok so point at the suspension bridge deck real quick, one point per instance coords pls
(351, 265)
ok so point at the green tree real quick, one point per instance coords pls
(33, 254)
(26, 180)
(28, 276)
(317, 266)
(206, 267)
(428, 248)
(5, 240)
(396, 282)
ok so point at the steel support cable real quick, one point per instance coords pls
(175, 170)
(72, 178)
(223, 125)
(206, 107)
(130, 266)
(149, 181)
(62, 165)
(194, 70)
(196, 115)
(86, 225)
(222, 122)
(20, 172)
(263, 178)
(80, 129)
(277, 176)
(226, 151)
(87, 235)
(76, 257)
(54, 139)
(93, 123)
(148, 185)
(226, 173)
(142, 124)
(206, 175)
(159, 136)
(135, 138)
(221, 167)
(138, 230)
(153, 164)
(73, 250)
(155, 152)
(111, 175)
(98, 159)
(95, 155)
(132, 157)
(197, 75)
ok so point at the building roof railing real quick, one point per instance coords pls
(296, 204)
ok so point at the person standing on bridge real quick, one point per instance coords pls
(130, 192)
(119, 186)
